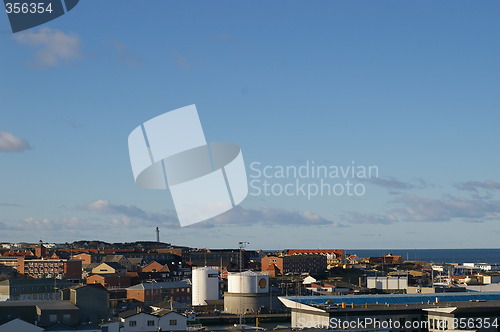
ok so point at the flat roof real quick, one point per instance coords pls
(396, 298)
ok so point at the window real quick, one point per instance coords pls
(173, 322)
(132, 323)
(53, 318)
(151, 323)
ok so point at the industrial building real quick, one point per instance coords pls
(395, 312)
(294, 264)
(248, 292)
(205, 285)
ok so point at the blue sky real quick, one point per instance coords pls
(411, 87)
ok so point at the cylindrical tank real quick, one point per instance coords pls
(205, 285)
(248, 283)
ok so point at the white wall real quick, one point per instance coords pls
(141, 323)
(387, 282)
(180, 322)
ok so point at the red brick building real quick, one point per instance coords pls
(333, 256)
(50, 268)
(179, 291)
(282, 265)
(385, 259)
(110, 281)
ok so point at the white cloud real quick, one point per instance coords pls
(270, 217)
(46, 224)
(125, 56)
(131, 215)
(370, 218)
(52, 47)
(476, 185)
(11, 143)
(420, 209)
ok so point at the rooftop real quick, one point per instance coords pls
(159, 285)
(396, 298)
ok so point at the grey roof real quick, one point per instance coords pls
(130, 313)
(42, 304)
(114, 265)
(112, 258)
(90, 266)
(135, 260)
(397, 298)
(33, 282)
(161, 312)
(59, 327)
(87, 327)
(55, 305)
(159, 285)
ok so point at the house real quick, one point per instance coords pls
(170, 320)
(42, 313)
(140, 321)
(19, 325)
(92, 300)
(293, 264)
(110, 280)
(179, 291)
(120, 259)
(334, 257)
(110, 267)
(111, 327)
(309, 280)
(85, 258)
(385, 259)
(50, 268)
(31, 289)
(154, 267)
(164, 320)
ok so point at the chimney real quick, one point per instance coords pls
(157, 234)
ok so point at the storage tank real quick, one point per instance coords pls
(248, 283)
(205, 285)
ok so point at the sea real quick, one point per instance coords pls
(490, 256)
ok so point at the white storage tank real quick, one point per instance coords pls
(248, 283)
(205, 285)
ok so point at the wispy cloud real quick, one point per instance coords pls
(395, 186)
(131, 215)
(413, 208)
(420, 209)
(240, 216)
(10, 204)
(182, 61)
(477, 185)
(391, 182)
(125, 56)
(11, 143)
(52, 47)
(49, 225)
(4, 226)
(226, 37)
(369, 218)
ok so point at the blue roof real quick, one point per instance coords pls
(397, 298)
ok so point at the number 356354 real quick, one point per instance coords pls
(28, 8)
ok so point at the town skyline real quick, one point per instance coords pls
(408, 88)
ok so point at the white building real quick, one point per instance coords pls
(205, 285)
(165, 319)
(387, 283)
(483, 266)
